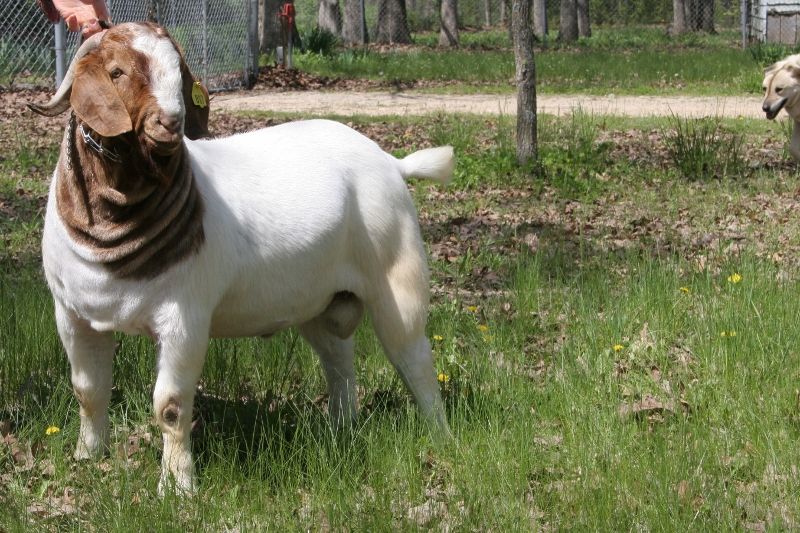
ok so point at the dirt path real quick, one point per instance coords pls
(416, 103)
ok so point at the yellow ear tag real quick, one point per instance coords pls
(198, 96)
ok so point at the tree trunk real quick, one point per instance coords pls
(392, 22)
(584, 29)
(487, 13)
(540, 19)
(448, 34)
(678, 17)
(526, 81)
(329, 16)
(707, 16)
(568, 23)
(353, 30)
(700, 15)
(269, 25)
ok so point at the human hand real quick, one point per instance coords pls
(80, 15)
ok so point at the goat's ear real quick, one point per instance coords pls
(96, 102)
(197, 105)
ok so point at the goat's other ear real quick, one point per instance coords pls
(197, 105)
(96, 102)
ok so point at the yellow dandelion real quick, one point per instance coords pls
(52, 430)
(472, 308)
(735, 278)
(686, 290)
(438, 338)
(618, 347)
(483, 327)
(723, 334)
(731, 334)
(443, 378)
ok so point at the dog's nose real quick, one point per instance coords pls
(765, 108)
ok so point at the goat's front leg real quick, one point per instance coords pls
(794, 144)
(181, 357)
(91, 355)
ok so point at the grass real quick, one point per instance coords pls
(643, 60)
(602, 367)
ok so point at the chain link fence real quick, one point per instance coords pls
(397, 21)
(217, 37)
(222, 38)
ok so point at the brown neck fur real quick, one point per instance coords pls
(138, 217)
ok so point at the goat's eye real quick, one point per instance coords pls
(116, 73)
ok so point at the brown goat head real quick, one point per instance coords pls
(133, 78)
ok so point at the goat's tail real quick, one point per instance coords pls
(434, 164)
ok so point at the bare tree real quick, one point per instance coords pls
(448, 34)
(392, 22)
(568, 21)
(584, 29)
(329, 16)
(526, 80)
(540, 19)
(700, 15)
(354, 29)
(678, 17)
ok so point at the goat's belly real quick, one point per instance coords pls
(261, 315)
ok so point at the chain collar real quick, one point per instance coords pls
(90, 141)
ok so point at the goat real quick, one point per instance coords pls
(301, 225)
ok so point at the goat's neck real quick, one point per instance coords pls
(137, 216)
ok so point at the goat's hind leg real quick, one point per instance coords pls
(399, 315)
(331, 336)
(91, 355)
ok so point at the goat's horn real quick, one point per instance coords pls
(60, 101)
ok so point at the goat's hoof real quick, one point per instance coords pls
(183, 488)
(85, 453)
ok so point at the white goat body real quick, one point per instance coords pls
(293, 214)
(304, 224)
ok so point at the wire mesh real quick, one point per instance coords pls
(214, 35)
(420, 16)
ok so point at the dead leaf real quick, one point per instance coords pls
(649, 405)
(424, 514)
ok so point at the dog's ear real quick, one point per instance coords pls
(794, 71)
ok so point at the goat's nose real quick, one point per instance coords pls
(171, 123)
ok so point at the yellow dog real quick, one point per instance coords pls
(781, 88)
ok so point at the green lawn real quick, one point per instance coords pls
(620, 61)
(616, 342)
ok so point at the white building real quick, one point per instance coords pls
(774, 21)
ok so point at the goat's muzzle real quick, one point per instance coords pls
(164, 132)
(773, 110)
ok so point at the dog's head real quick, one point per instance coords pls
(781, 88)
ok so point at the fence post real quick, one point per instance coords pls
(744, 16)
(61, 51)
(205, 42)
(253, 49)
(363, 22)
